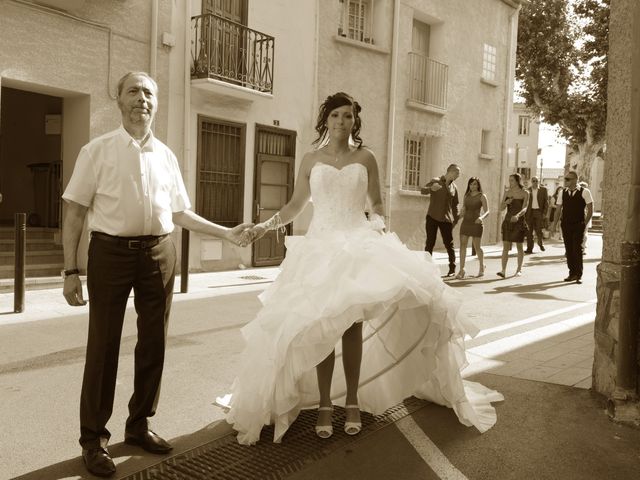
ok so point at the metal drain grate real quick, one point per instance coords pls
(252, 277)
(225, 459)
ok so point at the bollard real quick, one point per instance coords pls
(184, 262)
(19, 254)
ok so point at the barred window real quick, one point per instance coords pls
(418, 150)
(357, 20)
(489, 62)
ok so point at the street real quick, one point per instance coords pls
(535, 346)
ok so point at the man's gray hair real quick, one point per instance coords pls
(135, 74)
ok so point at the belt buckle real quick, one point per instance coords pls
(135, 244)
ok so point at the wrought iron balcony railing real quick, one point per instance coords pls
(428, 81)
(231, 52)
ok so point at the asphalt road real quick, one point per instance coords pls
(543, 430)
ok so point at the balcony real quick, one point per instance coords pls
(428, 87)
(228, 52)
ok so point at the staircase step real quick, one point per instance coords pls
(31, 232)
(34, 257)
(37, 270)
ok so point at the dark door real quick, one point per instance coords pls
(274, 179)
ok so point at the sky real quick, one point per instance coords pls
(553, 147)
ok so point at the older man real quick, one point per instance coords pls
(536, 212)
(129, 185)
(575, 211)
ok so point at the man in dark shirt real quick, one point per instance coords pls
(536, 212)
(443, 212)
(575, 211)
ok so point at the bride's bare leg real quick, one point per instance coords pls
(351, 360)
(324, 371)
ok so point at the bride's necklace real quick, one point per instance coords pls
(336, 155)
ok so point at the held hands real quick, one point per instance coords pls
(435, 187)
(252, 234)
(479, 221)
(514, 218)
(237, 236)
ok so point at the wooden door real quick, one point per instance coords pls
(274, 179)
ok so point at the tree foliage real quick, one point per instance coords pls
(561, 63)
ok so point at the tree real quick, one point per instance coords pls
(561, 63)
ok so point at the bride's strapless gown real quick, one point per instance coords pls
(344, 271)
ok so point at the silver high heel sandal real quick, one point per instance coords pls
(352, 428)
(324, 431)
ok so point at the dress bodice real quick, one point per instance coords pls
(339, 197)
(472, 207)
(515, 206)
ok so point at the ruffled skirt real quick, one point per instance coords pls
(413, 334)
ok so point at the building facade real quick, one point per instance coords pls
(240, 85)
(524, 133)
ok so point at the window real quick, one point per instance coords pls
(357, 20)
(489, 63)
(485, 143)
(220, 180)
(416, 157)
(523, 124)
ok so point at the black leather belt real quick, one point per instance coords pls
(132, 243)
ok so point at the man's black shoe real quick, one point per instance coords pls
(542, 248)
(452, 270)
(98, 462)
(528, 252)
(571, 278)
(149, 441)
(578, 280)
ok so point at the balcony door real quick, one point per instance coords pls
(225, 35)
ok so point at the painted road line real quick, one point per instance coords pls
(428, 450)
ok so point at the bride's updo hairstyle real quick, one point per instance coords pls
(332, 102)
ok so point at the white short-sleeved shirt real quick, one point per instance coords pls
(586, 194)
(129, 190)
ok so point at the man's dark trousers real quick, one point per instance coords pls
(446, 230)
(572, 233)
(534, 222)
(113, 270)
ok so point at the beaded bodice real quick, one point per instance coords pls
(339, 197)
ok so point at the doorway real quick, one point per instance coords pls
(30, 157)
(273, 187)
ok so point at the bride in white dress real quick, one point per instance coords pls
(399, 325)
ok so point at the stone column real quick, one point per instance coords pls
(622, 125)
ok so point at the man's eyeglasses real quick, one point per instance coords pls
(568, 178)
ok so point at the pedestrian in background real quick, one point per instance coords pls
(514, 227)
(443, 212)
(553, 213)
(576, 209)
(474, 210)
(129, 185)
(536, 213)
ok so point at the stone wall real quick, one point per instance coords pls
(615, 188)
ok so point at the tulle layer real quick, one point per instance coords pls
(413, 334)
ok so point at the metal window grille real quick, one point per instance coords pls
(489, 62)
(220, 181)
(414, 147)
(523, 125)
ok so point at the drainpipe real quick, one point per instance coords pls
(186, 143)
(153, 47)
(623, 405)
(392, 109)
(508, 103)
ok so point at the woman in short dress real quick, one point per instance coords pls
(514, 228)
(474, 210)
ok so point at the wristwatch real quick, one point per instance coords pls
(67, 273)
